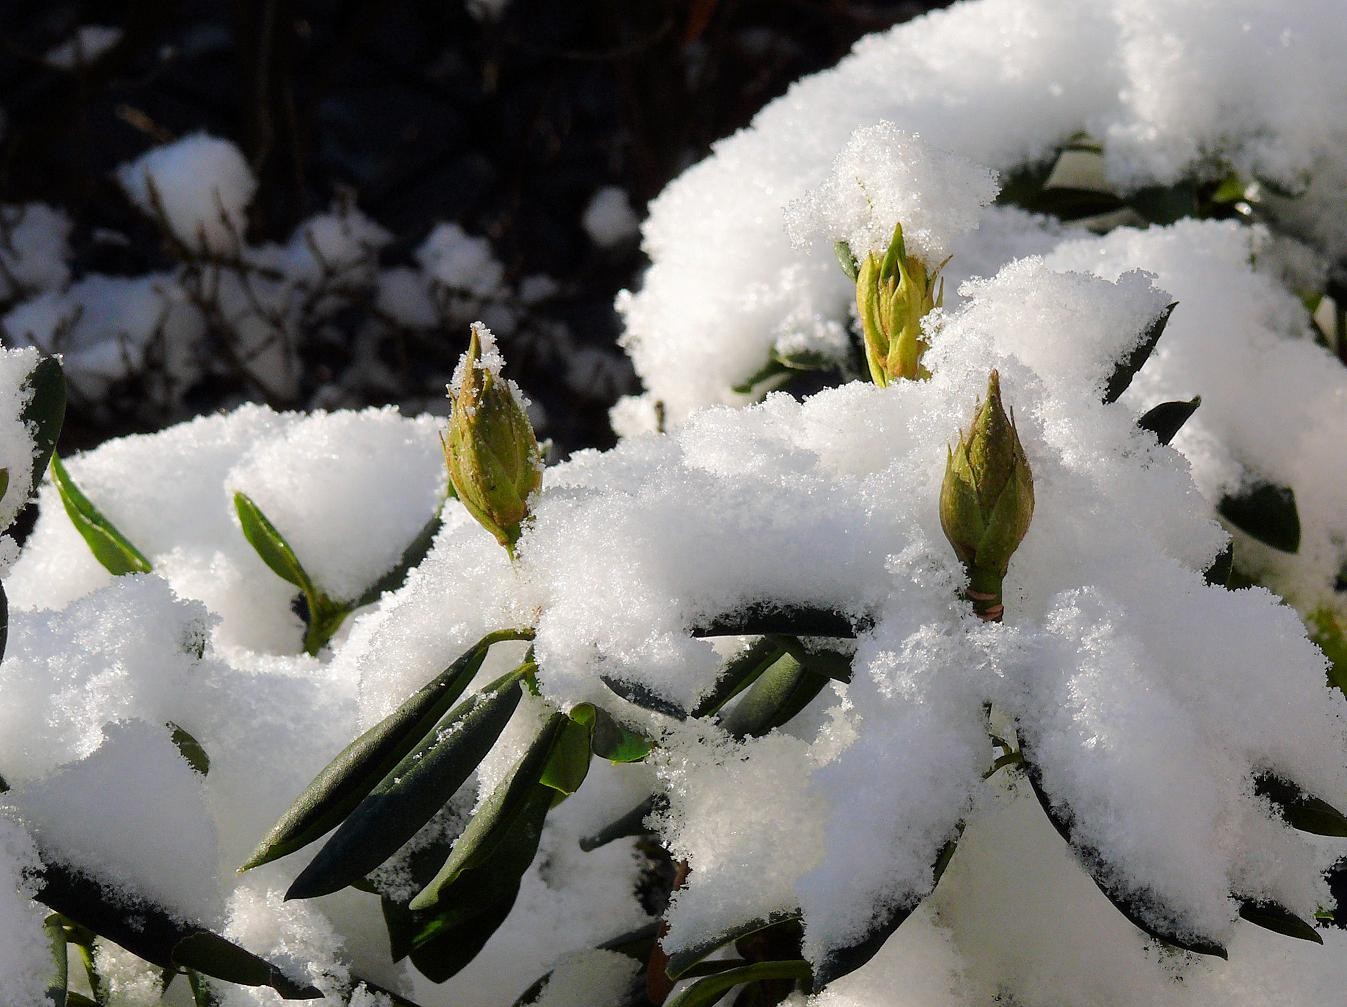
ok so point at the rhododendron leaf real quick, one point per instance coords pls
(60, 973)
(612, 741)
(271, 545)
(1168, 418)
(160, 939)
(358, 768)
(682, 961)
(766, 618)
(189, 748)
(1278, 919)
(513, 805)
(45, 412)
(453, 948)
(737, 674)
(109, 546)
(1126, 368)
(1301, 810)
(411, 792)
(844, 961)
(640, 695)
(632, 823)
(781, 692)
(1091, 861)
(1266, 512)
(569, 762)
(708, 991)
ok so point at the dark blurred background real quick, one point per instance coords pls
(507, 121)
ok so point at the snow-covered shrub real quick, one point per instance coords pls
(928, 689)
(1194, 141)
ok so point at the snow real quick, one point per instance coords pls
(460, 263)
(84, 47)
(609, 219)
(200, 186)
(33, 248)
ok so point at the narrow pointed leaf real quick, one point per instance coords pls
(1126, 368)
(109, 546)
(705, 992)
(613, 741)
(410, 559)
(640, 695)
(738, 674)
(784, 620)
(271, 546)
(453, 949)
(4, 641)
(1090, 859)
(1168, 418)
(212, 955)
(44, 412)
(189, 748)
(1301, 810)
(1266, 512)
(1279, 920)
(847, 259)
(682, 961)
(60, 976)
(411, 792)
(1218, 574)
(158, 938)
(358, 768)
(825, 661)
(781, 692)
(569, 762)
(632, 823)
(844, 961)
(502, 811)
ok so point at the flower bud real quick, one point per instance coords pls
(493, 457)
(893, 295)
(987, 499)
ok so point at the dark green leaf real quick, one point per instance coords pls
(451, 950)
(410, 559)
(640, 695)
(44, 412)
(847, 259)
(189, 748)
(507, 808)
(705, 992)
(681, 962)
(1301, 810)
(827, 661)
(74, 999)
(109, 546)
(781, 692)
(1094, 863)
(60, 976)
(629, 824)
(568, 764)
(612, 741)
(212, 955)
(4, 643)
(1279, 920)
(154, 935)
(1168, 418)
(1126, 368)
(1266, 512)
(774, 368)
(202, 994)
(738, 673)
(767, 618)
(1166, 204)
(844, 961)
(1218, 574)
(411, 792)
(358, 768)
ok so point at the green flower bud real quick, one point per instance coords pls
(493, 457)
(987, 499)
(893, 295)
